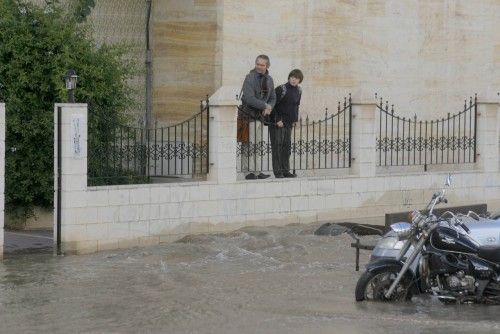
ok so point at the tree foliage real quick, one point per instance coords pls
(38, 44)
(82, 9)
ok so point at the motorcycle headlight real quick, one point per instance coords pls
(402, 230)
(391, 242)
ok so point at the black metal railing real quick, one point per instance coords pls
(119, 154)
(321, 144)
(409, 141)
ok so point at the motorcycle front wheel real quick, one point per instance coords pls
(372, 286)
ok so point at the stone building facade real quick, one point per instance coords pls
(425, 57)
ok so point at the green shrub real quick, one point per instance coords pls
(38, 44)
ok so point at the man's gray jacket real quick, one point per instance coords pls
(254, 95)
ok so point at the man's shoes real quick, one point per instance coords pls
(288, 174)
(251, 176)
(278, 176)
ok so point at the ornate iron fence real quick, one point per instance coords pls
(119, 154)
(321, 144)
(408, 141)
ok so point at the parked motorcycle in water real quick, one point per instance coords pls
(439, 256)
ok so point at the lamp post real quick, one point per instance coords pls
(149, 69)
(71, 79)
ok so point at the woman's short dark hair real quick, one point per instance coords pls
(296, 73)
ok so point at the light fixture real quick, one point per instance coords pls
(71, 79)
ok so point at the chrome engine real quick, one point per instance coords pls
(460, 282)
(453, 277)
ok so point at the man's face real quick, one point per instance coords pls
(261, 65)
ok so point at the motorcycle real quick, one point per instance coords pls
(441, 256)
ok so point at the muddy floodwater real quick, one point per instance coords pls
(254, 280)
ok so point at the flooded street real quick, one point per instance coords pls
(254, 280)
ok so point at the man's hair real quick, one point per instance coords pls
(265, 57)
(296, 73)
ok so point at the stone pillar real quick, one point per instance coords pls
(223, 113)
(73, 175)
(363, 137)
(2, 175)
(487, 136)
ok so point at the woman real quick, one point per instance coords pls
(285, 114)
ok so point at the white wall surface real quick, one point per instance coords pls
(108, 217)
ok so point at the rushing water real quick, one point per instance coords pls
(255, 280)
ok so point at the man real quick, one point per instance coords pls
(285, 115)
(258, 100)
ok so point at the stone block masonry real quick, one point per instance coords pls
(109, 217)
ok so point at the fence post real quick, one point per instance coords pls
(363, 137)
(2, 175)
(488, 136)
(70, 177)
(222, 138)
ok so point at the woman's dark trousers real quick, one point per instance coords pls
(281, 144)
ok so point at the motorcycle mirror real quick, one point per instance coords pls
(448, 180)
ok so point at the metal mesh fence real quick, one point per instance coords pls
(124, 21)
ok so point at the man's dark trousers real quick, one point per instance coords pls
(281, 148)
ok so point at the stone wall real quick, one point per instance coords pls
(184, 57)
(107, 217)
(424, 56)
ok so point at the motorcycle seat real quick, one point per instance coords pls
(490, 253)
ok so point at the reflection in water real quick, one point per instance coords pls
(254, 280)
